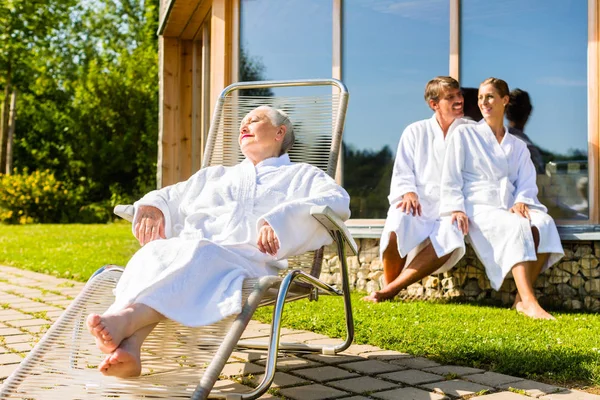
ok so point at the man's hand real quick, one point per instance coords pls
(410, 204)
(520, 209)
(462, 221)
(267, 240)
(149, 224)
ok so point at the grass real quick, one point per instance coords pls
(565, 352)
(71, 251)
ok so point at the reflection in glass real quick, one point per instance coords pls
(391, 50)
(285, 42)
(540, 48)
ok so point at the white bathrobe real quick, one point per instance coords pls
(484, 179)
(195, 276)
(418, 168)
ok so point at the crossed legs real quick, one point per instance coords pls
(397, 277)
(121, 335)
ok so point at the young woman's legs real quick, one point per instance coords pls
(528, 303)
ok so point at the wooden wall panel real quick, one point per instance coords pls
(184, 135)
(169, 110)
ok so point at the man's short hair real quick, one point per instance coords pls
(436, 87)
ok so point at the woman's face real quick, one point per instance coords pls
(490, 102)
(258, 138)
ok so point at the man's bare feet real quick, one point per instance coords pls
(109, 330)
(124, 362)
(379, 296)
(533, 310)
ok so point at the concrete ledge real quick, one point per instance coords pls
(363, 229)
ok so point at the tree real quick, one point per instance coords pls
(91, 113)
(27, 25)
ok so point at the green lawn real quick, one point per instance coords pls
(565, 352)
(70, 251)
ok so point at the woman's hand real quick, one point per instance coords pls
(410, 204)
(149, 224)
(462, 221)
(521, 209)
(267, 239)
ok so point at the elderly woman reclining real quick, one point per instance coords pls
(201, 238)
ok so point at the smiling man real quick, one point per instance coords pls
(416, 242)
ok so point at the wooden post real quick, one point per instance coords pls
(11, 133)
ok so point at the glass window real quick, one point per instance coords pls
(285, 42)
(539, 47)
(391, 50)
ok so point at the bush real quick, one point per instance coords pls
(38, 197)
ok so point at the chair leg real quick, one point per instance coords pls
(274, 344)
(211, 375)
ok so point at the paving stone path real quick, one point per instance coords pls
(30, 302)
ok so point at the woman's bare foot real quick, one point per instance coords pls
(533, 310)
(379, 296)
(109, 330)
(124, 362)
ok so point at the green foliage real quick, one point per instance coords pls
(37, 197)
(564, 352)
(88, 103)
(68, 251)
(367, 176)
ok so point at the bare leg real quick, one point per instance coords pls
(125, 361)
(536, 266)
(424, 264)
(528, 304)
(111, 329)
(392, 262)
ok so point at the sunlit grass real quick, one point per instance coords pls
(564, 352)
(69, 251)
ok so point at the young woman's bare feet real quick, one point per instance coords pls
(124, 362)
(109, 330)
(533, 310)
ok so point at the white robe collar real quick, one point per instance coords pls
(272, 161)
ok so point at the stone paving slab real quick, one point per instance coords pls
(571, 395)
(493, 379)
(454, 370)
(457, 388)
(361, 385)
(312, 392)
(412, 377)
(532, 388)
(324, 374)
(502, 396)
(31, 301)
(409, 393)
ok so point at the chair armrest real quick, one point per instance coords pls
(125, 211)
(333, 223)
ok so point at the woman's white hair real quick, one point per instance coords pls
(279, 117)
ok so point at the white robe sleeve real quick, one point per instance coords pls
(526, 189)
(295, 228)
(403, 175)
(168, 200)
(452, 197)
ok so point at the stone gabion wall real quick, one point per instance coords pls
(572, 284)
